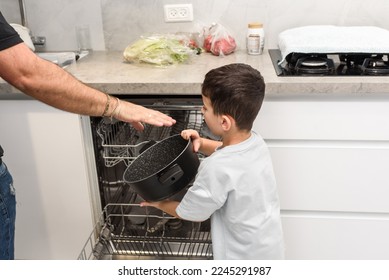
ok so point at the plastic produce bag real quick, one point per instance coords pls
(160, 50)
(218, 40)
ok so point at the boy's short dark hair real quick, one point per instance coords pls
(237, 90)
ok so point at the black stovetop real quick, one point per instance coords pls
(315, 64)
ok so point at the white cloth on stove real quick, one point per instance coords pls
(332, 39)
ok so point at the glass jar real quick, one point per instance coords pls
(255, 39)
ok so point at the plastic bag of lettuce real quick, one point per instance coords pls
(161, 50)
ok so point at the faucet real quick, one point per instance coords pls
(36, 40)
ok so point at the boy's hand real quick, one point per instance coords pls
(195, 136)
(168, 206)
(148, 203)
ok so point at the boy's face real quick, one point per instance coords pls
(212, 120)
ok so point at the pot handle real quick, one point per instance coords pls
(171, 175)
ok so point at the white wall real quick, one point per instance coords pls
(57, 19)
(117, 23)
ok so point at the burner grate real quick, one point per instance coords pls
(314, 65)
(334, 64)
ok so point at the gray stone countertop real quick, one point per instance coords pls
(108, 72)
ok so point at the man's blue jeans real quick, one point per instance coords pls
(7, 214)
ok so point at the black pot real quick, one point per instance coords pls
(163, 169)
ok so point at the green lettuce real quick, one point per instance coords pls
(158, 50)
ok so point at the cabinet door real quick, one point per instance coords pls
(44, 152)
(332, 176)
(335, 237)
(331, 163)
(355, 120)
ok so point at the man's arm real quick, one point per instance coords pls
(52, 85)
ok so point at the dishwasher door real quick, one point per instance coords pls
(125, 230)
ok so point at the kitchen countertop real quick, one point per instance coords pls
(106, 71)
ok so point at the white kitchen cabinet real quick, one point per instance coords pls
(335, 237)
(44, 151)
(331, 161)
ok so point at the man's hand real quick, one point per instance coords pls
(136, 115)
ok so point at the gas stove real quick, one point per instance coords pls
(318, 64)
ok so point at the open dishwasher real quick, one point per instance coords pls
(125, 230)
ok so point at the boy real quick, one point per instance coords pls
(235, 184)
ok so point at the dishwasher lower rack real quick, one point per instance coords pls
(128, 231)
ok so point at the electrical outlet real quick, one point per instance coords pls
(178, 12)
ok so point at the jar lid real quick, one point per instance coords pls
(255, 25)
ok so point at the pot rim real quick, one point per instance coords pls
(162, 169)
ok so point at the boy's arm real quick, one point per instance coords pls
(208, 146)
(167, 206)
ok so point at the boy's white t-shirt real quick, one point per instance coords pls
(236, 187)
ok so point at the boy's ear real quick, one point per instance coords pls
(226, 122)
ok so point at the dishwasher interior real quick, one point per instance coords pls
(125, 230)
